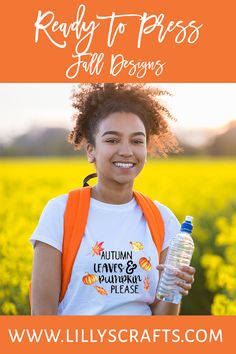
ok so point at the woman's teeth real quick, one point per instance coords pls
(123, 164)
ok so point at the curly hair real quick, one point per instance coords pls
(95, 101)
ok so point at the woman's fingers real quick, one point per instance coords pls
(186, 273)
(184, 292)
(188, 269)
(185, 277)
(183, 285)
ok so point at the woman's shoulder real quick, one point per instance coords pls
(58, 202)
(165, 211)
(50, 225)
(54, 208)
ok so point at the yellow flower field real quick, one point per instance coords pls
(203, 188)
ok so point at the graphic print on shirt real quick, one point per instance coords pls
(145, 264)
(146, 283)
(122, 277)
(97, 249)
(89, 279)
(137, 246)
(101, 290)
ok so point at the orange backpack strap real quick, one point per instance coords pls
(153, 218)
(75, 220)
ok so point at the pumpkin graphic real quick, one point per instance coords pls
(89, 279)
(145, 264)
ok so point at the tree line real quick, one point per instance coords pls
(53, 142)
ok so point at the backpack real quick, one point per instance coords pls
(75, 219)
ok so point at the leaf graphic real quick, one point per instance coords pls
(146, 283)
(101, 290)
(97, 248)
(137, 246)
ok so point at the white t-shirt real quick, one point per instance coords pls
(114, 272)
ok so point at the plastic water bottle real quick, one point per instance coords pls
(179, 254)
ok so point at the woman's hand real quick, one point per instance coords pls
(185, 278)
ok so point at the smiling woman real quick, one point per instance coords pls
(119, 153)
(118, 124)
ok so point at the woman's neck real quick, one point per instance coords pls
(119, 194)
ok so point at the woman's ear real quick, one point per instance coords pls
(90, 153)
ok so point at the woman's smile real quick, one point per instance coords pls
(124, 165)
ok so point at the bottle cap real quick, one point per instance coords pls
(187, 225)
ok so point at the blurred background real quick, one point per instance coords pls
(37, 164)
(36, 117)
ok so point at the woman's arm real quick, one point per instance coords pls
(186, 278)
(46, 280)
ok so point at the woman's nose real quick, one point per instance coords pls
(125, 150)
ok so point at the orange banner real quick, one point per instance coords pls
(118, 41)
(191, 334)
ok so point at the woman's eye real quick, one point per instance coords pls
(138, 142)
(112, 141)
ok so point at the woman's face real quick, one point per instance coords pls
(120, 148)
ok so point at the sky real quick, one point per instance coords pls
(196, 106)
